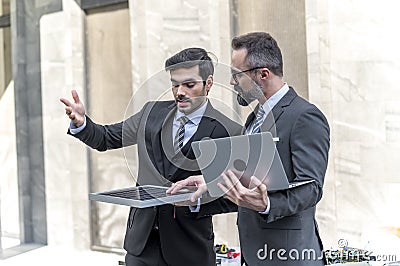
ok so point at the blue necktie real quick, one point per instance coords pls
(258, 121)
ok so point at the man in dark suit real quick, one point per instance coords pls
(163, 132)
(277, 228)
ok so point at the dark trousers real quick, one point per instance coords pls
(151, 255)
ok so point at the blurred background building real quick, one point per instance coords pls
(341, 55)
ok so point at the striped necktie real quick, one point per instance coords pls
(180, 134)
(258, 121)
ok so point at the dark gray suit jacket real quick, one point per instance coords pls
(303, 147)
(187, 238)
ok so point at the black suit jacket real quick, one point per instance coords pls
(187, 239)
(303, 147)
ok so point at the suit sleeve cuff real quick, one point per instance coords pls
(75, 130)
(197, 208)
(268, 207)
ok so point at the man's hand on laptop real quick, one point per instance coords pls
(254, 197)
(196, 181)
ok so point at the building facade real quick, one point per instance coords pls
(340, 55)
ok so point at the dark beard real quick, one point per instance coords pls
(245, 98)
(181, 98)
(241, 100)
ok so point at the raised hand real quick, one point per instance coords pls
(75, 110)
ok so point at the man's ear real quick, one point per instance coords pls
(265, 73)
(209, 82)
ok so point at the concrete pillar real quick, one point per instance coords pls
(285, 21)
(25, 16)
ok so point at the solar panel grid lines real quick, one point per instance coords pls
(141, 196)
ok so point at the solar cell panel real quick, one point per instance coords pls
(141, 196)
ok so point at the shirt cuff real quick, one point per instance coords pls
(197, 208)
(75, 130)
(267, 209)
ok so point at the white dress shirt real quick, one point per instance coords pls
(190, 126)
(190, 129)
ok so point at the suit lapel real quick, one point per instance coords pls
(205, 129)
(277, 111)
(249, 119)
(207, 124)
(161, 137)
(275, 114)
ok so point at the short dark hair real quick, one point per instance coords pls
(191, 57)
(262, 51)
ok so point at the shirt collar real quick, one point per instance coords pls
(274, 99)
(194, 117)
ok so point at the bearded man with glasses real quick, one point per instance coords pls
(276, 228)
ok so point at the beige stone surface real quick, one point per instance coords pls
(65, 159)
(352, 65)
(286, 22)
(63, 256)
(341, 55)
(9, 213)
(109, 91)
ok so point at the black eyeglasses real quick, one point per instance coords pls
(234, 74)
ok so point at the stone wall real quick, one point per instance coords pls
(352, 65)
(341, 55)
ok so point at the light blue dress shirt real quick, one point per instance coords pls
(268, 106)
(270, 103)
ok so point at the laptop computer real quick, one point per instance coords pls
(247, 155)
(141, 196)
